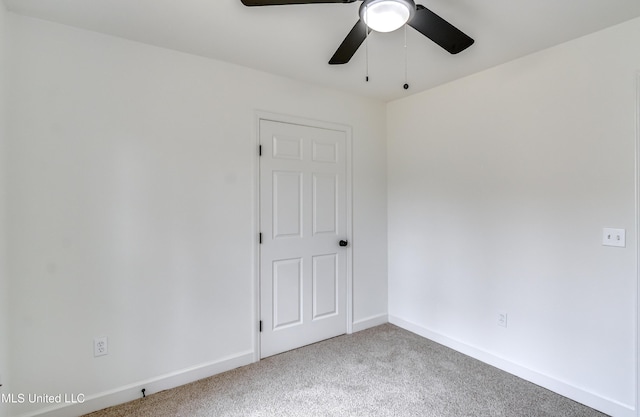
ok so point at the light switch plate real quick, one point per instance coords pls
(613, 237)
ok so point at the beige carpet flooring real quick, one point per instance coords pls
(383, 371)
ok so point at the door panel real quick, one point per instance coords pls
(325, 152)
(325, 280)
(286, 147)
(303, 209)
(287, 292)
(287, 204)
(325, 203)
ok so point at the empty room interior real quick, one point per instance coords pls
(189, 187)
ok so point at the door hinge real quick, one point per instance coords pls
(260, 150)
(260, 326)
(260, 238)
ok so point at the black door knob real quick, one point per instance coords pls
(343, 243)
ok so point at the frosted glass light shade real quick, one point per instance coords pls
(386, 15)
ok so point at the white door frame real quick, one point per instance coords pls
(263, 115)
(637, 230)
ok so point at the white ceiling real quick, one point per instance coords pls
(297, 40)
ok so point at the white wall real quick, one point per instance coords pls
(499, 187)
(4, 282)
(131, 197)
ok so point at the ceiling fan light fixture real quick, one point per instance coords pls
(386, 15)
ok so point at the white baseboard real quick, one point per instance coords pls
(371, 321)
(133, 391)
(595, 401)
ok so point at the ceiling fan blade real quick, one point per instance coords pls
(283, 2)
(350, 44)
(439, 30)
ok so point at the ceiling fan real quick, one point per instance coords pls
(387, 16)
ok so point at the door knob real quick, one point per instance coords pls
(343, 243)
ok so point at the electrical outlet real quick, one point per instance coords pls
(100, 346)
(502, 319)
(613, 237)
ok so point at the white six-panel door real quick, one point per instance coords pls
(303, 209)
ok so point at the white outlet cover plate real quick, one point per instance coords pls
(100, 346)
(502, 318)
(613, 237)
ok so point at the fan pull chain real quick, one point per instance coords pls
(366, 43)
(406, 65)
